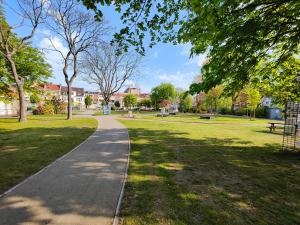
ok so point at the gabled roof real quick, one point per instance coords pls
(51, 87)
(79, 91)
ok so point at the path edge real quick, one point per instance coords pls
(56, 160)
(116, 219)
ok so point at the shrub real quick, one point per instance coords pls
(241, 112)
(49, 109)
(117, 104)
(59, 105)
(225, 111)
(88, 101)
(38, 110)
(34, 98)
(262, 112)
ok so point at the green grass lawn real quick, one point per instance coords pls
(25, 148)
(194, 117)
(188, 174)
(113, 112)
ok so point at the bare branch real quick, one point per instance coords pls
(109, 70)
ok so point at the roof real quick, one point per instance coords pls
(144, 95)
(120, 94)
(51, 87)
(79, 91)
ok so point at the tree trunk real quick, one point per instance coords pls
(20, 86)
(22, 103)
(69, 101)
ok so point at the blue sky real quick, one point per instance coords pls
(162, 63)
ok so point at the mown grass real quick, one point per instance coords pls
(27, 147)
(209, 174)
(193, 117)
(114, 112)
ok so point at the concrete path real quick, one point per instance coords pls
(81, 188)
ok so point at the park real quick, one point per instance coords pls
(97, 129)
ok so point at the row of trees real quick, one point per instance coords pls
(84, 50)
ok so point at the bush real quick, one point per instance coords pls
(225, 111)
(49, 109)
(34, 98)
(262, 112)
(117, 104)
(241, 112)
(38, 110)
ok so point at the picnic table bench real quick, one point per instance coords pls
(273, 125)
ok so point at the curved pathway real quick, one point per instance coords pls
(80, 188)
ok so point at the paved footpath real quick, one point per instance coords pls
(81, 188)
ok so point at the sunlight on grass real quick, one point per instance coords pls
(27, 147)
(206, 174)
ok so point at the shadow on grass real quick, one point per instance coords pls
(280, 133)
(25, 151)
(78, 189)
(179, 180)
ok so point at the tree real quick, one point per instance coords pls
(145, 103)
(164, 91)
(78, 32)
(185, 102)
(117, 104)
(88, 101)
(32, 13)
(34, 98)
(109, 70)
(130, 101)
(253, 99)
(281, 81)
(212, 98)
(237, 35)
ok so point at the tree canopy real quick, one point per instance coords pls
(130, 100)
(88, 101)
(185, 102)
(164, 91)
(236, 35)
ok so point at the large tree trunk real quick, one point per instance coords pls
(69, 101)
(22, 103)
(20, 86)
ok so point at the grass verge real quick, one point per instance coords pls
(25, 148)
(188, 174)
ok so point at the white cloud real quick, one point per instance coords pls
(155, 54)
(179, 79)
(54, 58)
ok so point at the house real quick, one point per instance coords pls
(96, 98)
(77, 96)
(50, 90)
(132, 90)
(9, 108)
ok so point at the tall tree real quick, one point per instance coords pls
(185, 102)
(32, 13)
(78, 32)
(164, 91)
(130, 101)
(253, 99)
(109, 70)
(213, 96)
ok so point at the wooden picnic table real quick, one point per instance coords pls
(274, 125)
